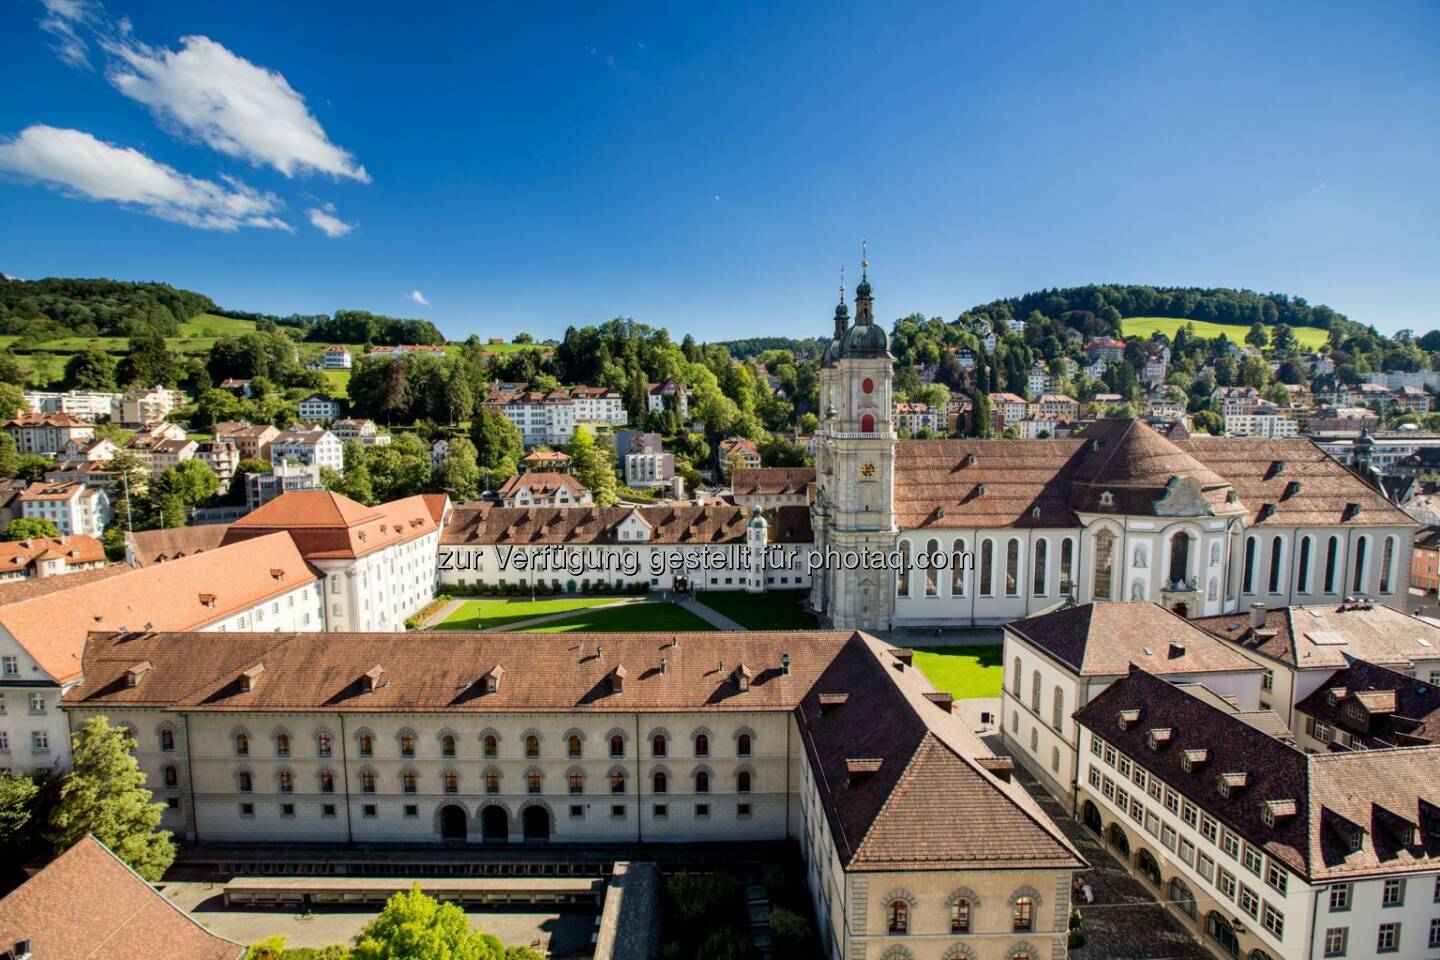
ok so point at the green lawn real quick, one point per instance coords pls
(964, 672)
(1311, 338)
(646, 617)
(774, 610)
(211, 325)
(488, 614)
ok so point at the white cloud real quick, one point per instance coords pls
(83, 166)
(237, 107)
(323, 219)
(419, 298)
(62, 20)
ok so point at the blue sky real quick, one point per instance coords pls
(528, 166)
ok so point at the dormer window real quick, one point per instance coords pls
(492, 679)
(135, 674)
(1158, 738)
(370, 681)
(248, 678)
(1107, 499)
(743, 676)
(1228, 783)
(617, 679)
(1332, 697)
(1126, 717)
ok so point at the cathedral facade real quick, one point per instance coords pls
(978, 531)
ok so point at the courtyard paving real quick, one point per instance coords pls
(1125, 922)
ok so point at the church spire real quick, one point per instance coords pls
(863, 299)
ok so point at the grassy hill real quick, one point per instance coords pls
(1311, 338)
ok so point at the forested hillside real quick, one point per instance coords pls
(95, 308)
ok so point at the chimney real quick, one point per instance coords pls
(1257, 615)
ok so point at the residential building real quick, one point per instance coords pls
(74, 508)
(1105, 348)
(140, 407)
(360, 430)
(400, 349)
(1157, 364)
(87, 904)
(1368, 707)
(238, 386)
(378, 563)
(1057, 662)
(1037, 429)
(49, 556)
(313, 445)
(1301, 647)
(769, 487)
(263, 585)
(88, 405)
(253, 440)
(914, 417)
(45, 434)
(1425, 560)
(738, 451)
(1108, 511)
(159, 453)
(1258, 848)
(542, 417)
(222, 456)
(1055, 406)
(319, 408)
(659, 393)
(1007, 409)
(602, 406)
(286, 476)
(1268, 421)
(90, 449)
(1414, 399)
(541, 489)
(592, 739)
(1234, 401)
(337, 358)
(550, 461)
(646, 462)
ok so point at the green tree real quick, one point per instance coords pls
(498, 445)
(12, 401)
(1257, 337)
(91, 369)
(592, 466)
(459, 395)
(461, 471)
(148, 363)
(104, 794)
(29, 528)
(18, 799)
(1283, 339)
(9, 456)
(191, 482)
(413, 926)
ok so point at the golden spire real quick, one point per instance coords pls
(842, 283)
(864, 263)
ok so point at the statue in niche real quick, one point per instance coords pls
(1213, 589)
(1140, 557)
(1137, 591)
(1214, 554)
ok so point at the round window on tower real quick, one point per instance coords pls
(867, 385)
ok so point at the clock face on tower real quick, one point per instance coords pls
(867, 471)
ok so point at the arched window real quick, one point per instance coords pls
(1023, 915)
(246, 782)
(1360, 578)
(492, 745)
(987, 568)
(447, 745)
(1387, 561)
(572, 746)
(172, 777)
(702, 782)
(617, 781)
(532, 781)
(242, 745)
(1180, 558)
(1067, 562)
(932, 573)
(282, 745)
(323, 747)
(742, 781)
(287, 781)
(1016, 680)
(1035, 691)
(867, 423)
(1277, 557)
(902, 574)
(742, 745)
(452, 781)
(407, 745)
(960, 916)
(899, 916)
(1034, 739)
(1042, 556)
(327, 781)
(167, 740)
(658, 745)
(617, 746)
(1302, 574)
(367, 781)
(1218, 929)
(492, 780)
(1247, 580)
(1104, 566)
(957, 569)
(1057, 709)
(532, 746)
(659, 782)
(702, 745)
(1181, 896)
(576, 779)
(367, 745)
(1332, 559)
(1012, 568)
(408, 781)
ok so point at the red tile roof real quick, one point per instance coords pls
(76, 549)
(679, 525)
(158, 546)
(771, 481)
(88, 905)
(326, 525)
(1326, 636)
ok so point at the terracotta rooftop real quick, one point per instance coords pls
(1327, 636)
(682, 525)
(52, 491)
(542, 484)
(1401, 787)
(326, 525)
(771, 481)
(75, 549)
(157, 546)
(1104, 639)
(32, 419)
(12, 591)
(52, 627)
(1401, 711)
(88, 905)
